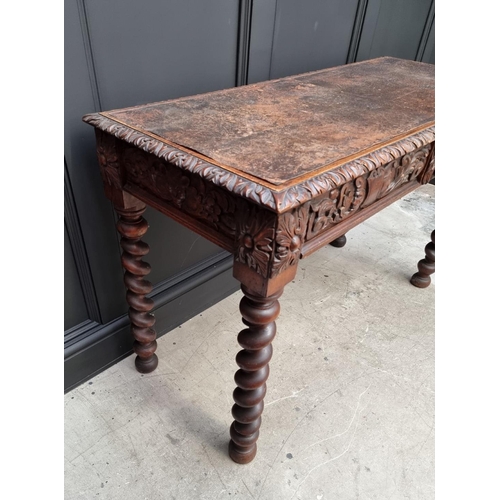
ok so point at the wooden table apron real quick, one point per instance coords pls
(268, 224)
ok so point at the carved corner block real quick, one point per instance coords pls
(109, 163)
(255, 234)
(268, 249)
(112, 173)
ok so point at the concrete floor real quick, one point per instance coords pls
(349, 411)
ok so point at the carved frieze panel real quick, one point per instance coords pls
(265, 241)
(314, 217)
(189, 193)
(250, 227)
(386, 178)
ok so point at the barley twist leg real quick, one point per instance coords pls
(259, 315)
(132, 226)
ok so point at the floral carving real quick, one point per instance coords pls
(255, 239)
(290, 237)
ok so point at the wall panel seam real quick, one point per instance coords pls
(357, 30)
(272, 39)
(244, 35)
(89, 54)
(425, 33)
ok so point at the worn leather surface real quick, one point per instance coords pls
(282, 130)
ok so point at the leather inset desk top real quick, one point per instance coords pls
(296, 127)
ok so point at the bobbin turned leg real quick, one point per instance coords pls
(339, 242)
(132, 226)
(259, 315)
(426, 266)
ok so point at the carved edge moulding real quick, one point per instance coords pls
(267, 231)
(275, 200)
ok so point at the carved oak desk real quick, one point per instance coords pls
(270, 172)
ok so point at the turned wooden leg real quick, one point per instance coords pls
(339, 242)
(132, 226)
(426, 266)
(258, 314)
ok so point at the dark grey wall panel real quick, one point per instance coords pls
(429, 50)
(261, 40)
(94, 210)
(244, 30)
(154, 50)
(174, 247)
(310, 35)
(75, 310)
(393, 28)
(79, 252)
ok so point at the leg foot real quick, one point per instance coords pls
(259, 315)
(132, 226)
(147, 365)
(339, 242)
(239, 454)
(426, 267)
